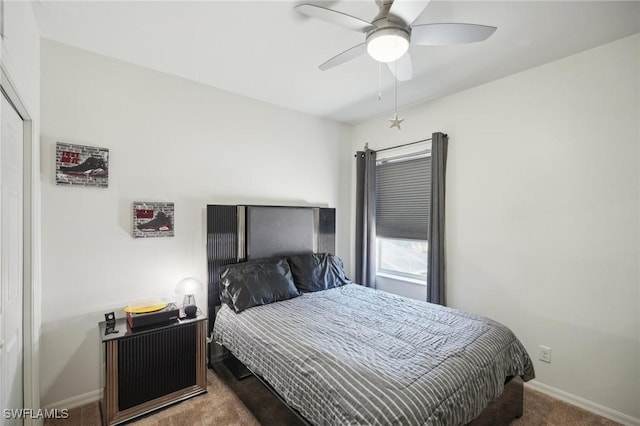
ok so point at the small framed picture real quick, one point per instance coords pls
(82, 165)
(152, 219)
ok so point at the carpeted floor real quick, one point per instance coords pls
(247, 402)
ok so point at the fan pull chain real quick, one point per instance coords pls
(379, 81)
(396, 121)
(396, 89)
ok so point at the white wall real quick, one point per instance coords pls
(170, 140)
(21, 51)
(402, 287)
(543, 213)
(20, 57)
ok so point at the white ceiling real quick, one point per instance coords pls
(268, 51)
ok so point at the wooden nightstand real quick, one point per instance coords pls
(150, 369)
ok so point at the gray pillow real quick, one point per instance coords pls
(317, 271)
(255, 283)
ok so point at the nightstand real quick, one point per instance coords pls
(150, 369)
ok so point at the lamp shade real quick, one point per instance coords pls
(388, 44)
(188, 285)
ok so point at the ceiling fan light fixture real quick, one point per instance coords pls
(388, 44)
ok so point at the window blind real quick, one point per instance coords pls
(403, 195)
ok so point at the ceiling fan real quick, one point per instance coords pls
(390, 33)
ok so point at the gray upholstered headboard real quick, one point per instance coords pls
(236, 233)
(278, 231)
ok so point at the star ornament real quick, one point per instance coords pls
(395, 121)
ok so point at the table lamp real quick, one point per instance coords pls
(189, 286)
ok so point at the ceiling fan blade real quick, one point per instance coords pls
(407, 11)
(442, 34)
(333, 16)
(345, 56)
(402, 69)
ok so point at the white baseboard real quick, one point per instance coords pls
(77, 401)
(585, 404)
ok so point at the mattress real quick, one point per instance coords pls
(357, 356)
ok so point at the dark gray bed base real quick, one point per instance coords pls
(507, 407)
(240, 372)
(238, 232)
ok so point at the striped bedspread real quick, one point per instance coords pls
(357, 356)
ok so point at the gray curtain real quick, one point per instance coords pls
(366, 218)
(436, 261)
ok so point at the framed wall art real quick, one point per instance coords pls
(82, 165)
(152, 219)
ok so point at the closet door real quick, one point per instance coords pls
(11, 258)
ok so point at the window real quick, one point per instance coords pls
(403, 197)
(404, 258)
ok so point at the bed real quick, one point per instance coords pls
(346, 354)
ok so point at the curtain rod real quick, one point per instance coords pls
(366, 145)
(404, 144)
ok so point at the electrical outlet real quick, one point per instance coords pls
(545, 354)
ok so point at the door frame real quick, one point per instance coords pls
(31, 237)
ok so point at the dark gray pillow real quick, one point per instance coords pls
(317, 271)
(255, 283)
